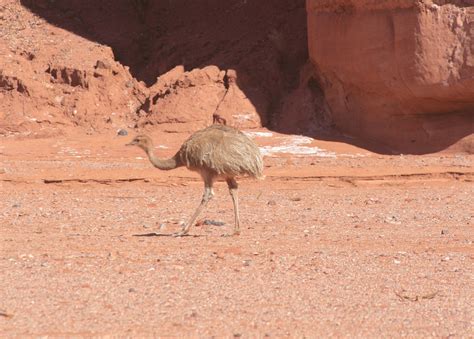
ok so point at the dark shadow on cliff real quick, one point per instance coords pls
(152, 37)
(264, 41)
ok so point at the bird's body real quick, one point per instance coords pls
(217, 151)
(223, 152)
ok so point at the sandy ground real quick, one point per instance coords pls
(336, 242)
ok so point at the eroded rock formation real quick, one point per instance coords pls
(147, 64)
(399, 72)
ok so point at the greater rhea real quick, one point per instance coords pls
(215, 152)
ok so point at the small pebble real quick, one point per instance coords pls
(122, 132)
(213, 222)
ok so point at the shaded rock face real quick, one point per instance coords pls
(397, 72)
(142, 64)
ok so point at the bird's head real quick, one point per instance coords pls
(142, 141)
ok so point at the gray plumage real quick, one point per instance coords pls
(217, 151)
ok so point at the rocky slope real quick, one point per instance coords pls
(396, 72)
(169, 67)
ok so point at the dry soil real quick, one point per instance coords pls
(335, 242)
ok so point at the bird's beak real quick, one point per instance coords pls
(131, 143)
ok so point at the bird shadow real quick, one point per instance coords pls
(170, 235)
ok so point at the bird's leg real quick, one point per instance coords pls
(233, 189)
(208, 194)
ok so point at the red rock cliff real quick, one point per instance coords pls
(398, 72)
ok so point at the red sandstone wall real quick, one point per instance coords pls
(398, 72)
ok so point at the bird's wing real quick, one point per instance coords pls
(223, 152)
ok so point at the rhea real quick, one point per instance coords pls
(215, 152)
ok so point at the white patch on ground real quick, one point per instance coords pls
(293, 145)
(296, 150)
(243, 117)
(299, 139)
(253, 134)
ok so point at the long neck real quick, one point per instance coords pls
(162, 164)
